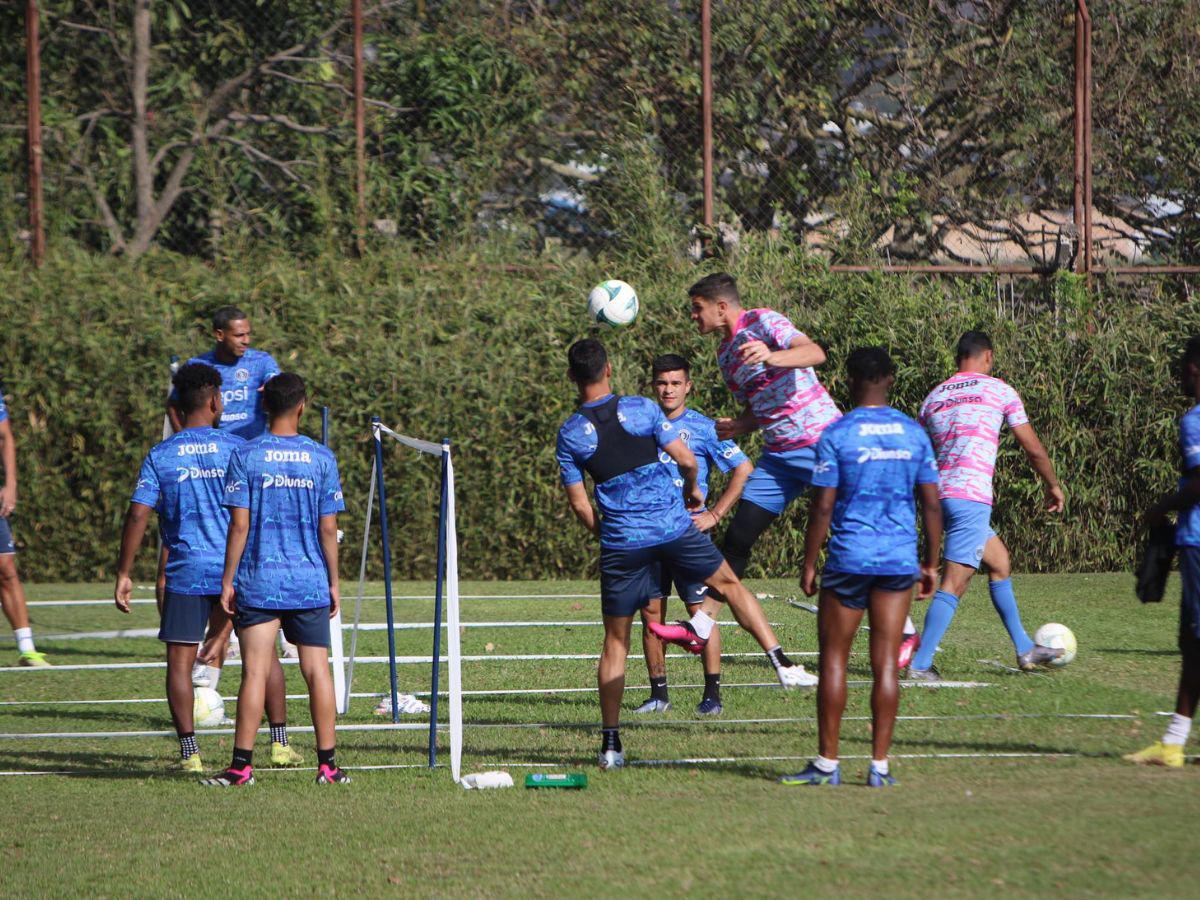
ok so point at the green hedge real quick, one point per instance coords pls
(470, 345)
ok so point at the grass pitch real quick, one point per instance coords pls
(1073, 819)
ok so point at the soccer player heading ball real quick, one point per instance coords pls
(643, 523)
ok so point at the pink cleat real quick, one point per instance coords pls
(908, 649)
(680, 633)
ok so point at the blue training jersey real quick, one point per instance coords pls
(288, 484)
(241, 390)
(1187, 531)
(875, 457)
(639, 508)
(183, 480)
(699, 432)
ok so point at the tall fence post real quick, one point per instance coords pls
(1087, 138)
(360, 135)
(706, 107)
(1077, 216)
(33, 128)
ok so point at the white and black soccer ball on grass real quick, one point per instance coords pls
(613, 304)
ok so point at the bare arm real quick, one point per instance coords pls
(682, 454)
(582, 507)
(733, 490)
(134, 529)
(160, 579)
(1040, 460)
(746, 423)
(235, 546)
(931, 516)
(820, 513)
(8, 455)
(801, 353)
(329, 549)
(1176, 501)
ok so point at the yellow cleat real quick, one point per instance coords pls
(1158, 754)
(284, 756)
(193, 765)
(33, 659)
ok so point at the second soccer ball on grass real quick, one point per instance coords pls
(208, 709)
(612, 303)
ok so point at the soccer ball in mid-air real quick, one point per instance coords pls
(1057, 637)
(208, 709)
(612, 303)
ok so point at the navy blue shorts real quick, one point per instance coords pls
(185, 617)
(1189, 606)
(307, 627)
(629, 577)
(854, 590)
(6, 539)
(690, 592)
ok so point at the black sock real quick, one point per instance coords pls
(610, 739)
(712, 687)
(658, 688)
(279, 733)
(187, 745)
(778, 658)
(325, 757)
(242, 758)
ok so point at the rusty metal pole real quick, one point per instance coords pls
(1077, 217)
(706, 106)
(1087, 138)
(360, 134)
(33, 96)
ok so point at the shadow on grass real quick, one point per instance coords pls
(1137, 651)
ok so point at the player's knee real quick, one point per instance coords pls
(8, 569)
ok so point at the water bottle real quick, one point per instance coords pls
(482, 780)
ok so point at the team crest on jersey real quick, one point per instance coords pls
(686, 435)
(242, 374)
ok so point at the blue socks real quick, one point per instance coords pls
(1006, 606)
(937, 620)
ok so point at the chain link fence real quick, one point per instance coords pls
(871, 132)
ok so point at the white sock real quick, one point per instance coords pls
(825, 765)
(880, 766)
(214, 676)
(909, 627)
(1178, 730)
(702, 623)
(24, 638)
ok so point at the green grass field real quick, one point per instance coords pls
(1071, 820)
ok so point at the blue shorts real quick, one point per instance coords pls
(305, 627)
(968, 528)
(185, 617)
(7, 546)
(854, 590)
(779, 478)
(690, 592)
(629, 577)
(1189, 606)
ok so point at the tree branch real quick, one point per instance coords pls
(277, 119)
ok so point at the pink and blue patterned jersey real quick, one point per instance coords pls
(875, 457)
(1187, 531)
(241, 390)
(791, 405)
(699, 432)
(183, 480)
(964, 415)
(638, 508)
(288, 483)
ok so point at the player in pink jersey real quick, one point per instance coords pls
(964, 415)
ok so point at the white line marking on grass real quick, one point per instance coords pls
(305, 729)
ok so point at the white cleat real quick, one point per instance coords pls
(796, 676)
(612, 759)
(200, 676)
(407, 704)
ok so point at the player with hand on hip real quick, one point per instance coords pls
(870, 465)
(964, 415)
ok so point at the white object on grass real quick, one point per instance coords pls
(481, 780)
(1057, 637)
(208, 709)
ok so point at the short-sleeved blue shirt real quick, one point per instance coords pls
(1187, 532)
(639, 508)
(288, 484)
(183, 480)
(875, 457)
(699, 432)
(3, 408)
(241, 384)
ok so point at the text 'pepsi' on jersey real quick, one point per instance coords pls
(287, 483)
(1187, 531)
(874, 457)
(241, 390)
(699, 432)
(183, 480)
(639, 508)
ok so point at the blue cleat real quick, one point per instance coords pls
(814, 776)
(875, 778)
(709, 707)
